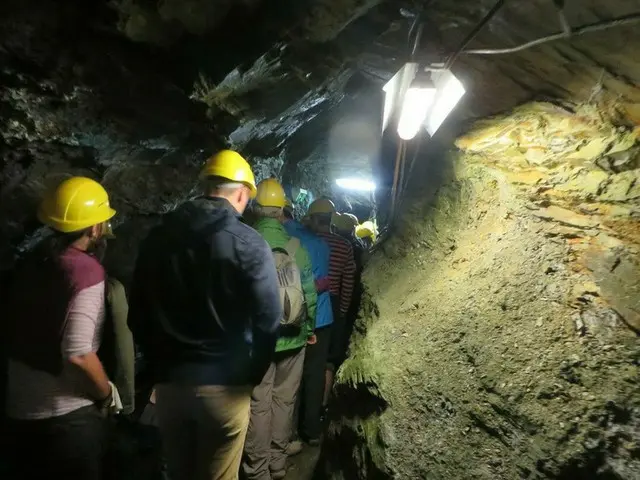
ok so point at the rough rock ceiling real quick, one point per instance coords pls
(137, 92)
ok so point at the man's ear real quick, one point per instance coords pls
(94, 231)
(245, 195)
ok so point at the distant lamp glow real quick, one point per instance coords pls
(358, 184)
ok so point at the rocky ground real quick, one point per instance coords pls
(499, 338)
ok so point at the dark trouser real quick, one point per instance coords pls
(70, 446)
(338, 346)
(315, 363)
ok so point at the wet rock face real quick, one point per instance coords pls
(87, 104)
(132, 89)
(499, 334)
(137, 95)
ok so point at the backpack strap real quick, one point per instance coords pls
(292, 246)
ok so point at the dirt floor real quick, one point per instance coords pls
(485, 350)
(303, 465)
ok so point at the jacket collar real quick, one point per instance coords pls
(216, 203)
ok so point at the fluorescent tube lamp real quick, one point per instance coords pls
(417, 101)
(416, 96)
(449, 93)
(358, 184)
(394, 91)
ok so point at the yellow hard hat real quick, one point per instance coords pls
(232, 166)
(366, 229)
(270, 194)
(75, 204)
(343, 222)
(322, 206)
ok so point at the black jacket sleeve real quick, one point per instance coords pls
(261, 278)
(137, 318)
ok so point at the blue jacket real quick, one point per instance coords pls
(319, 253)
(204, 305)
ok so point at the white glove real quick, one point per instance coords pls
(116, 402)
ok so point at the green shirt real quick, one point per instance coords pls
(277, 237)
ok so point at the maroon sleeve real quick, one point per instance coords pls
(82, 269)
(348, 279)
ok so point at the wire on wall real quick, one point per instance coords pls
(593, 27)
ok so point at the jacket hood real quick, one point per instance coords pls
(197, 214)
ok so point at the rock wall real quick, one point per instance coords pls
(498, 338)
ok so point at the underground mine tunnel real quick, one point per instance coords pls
(496, 146)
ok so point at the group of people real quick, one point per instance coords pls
(241, 328)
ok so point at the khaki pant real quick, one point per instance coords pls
(272, 404)
(203, 429)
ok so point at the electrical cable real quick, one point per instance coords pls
(593, 27)
(416, 41)
(490, 14)
(566, 28)
(416, 150)
(398, 177)
(398, 188)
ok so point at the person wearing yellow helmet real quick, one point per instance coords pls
(367, 232)
(342, 276)
(344, 223)
(315, 360)
(205, 310)
(273, 400)
(56, 385)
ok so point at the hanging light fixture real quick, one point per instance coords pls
(416, 104)
(449, 92)
(417, 96)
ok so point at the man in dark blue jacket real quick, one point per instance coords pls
(204, 310)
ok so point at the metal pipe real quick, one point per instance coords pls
(594, 27)
(399, 154)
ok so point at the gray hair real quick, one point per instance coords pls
(220, 185)
(271, 212)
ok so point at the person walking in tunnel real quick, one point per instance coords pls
(342, 272)
(58, 392)
(315, 361)
(344, 224)
(366, 232)
(273, 400)
(204, 310)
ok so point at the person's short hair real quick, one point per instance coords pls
(213, 185)
(271, 212)
(322, 219)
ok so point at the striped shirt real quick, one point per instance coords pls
(342, 269)
(35, 394)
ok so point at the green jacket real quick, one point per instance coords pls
(117, 352)
(277, 237)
